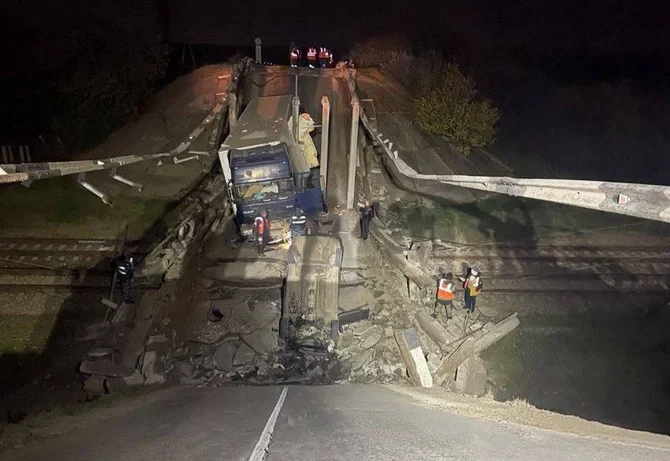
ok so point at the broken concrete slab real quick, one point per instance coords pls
(247, 272)
(474, 344)
(101, 368)
(118, 384)
(223, 356)
(349, 279)
(354, 298)
(419, 252)
(243, 355)
(471, 377)
(436, 332)
(358, 360)
(98, 352)
(95, 331)
(412, 355)
(371, 339)
(434, 362)
(263, 341)
(353, 316)
(148, 362)
(94, 385)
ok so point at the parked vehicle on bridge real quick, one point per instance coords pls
(266, 169)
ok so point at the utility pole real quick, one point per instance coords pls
(258, 42)
(325, 124)
(296, 118)
(353, 151)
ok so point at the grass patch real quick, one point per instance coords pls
(60, 201)
(25, 334)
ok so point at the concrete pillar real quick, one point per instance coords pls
(232, 110)
(325, 125)
(295, 105)
(258, 42)
(353, 151)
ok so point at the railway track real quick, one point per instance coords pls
(61, 264)
(64, 253)
(548, 269)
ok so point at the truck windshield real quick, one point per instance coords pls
(266, 190)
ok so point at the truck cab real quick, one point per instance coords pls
(266, 169)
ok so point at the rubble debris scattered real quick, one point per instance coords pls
(471, 377)
(353, 316)
(474, 344)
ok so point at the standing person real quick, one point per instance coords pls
(326, 57)
(260, 229)
(294, 55)
(472, 284)
(445, 294)
(311, 57)
(298, 223)
(365, 215)
(125, 270)
(322, 57)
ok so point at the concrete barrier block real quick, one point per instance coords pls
(412, 355)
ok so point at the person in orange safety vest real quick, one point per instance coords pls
(311, 57)
(445, 295)
(472, 284)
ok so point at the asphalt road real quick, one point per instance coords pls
(317, 423)
(312, 85)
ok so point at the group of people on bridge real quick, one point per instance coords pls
(321, 57)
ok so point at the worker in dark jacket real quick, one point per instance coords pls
(365, 215)
(298, 223)
(125, 270)
(294, 55)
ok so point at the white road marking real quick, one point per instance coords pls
(260, 450)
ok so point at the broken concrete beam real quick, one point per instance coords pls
(394, 252)
(419, 252)
(412, 355)
(119, 384)
(121, 313)
(357, 315)
(98, 352)
(88, 367)
(471, 377)
(94, 385)
(436, 332)
(474, 344)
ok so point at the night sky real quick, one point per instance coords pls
(599, 26)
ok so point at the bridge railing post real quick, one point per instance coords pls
(353, 152)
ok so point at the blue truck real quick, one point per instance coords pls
(266, 169)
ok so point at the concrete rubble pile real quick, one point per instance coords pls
(200, 213)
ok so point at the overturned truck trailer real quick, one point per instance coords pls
(266, 169)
